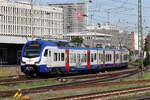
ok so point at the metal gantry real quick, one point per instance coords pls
(140, 36)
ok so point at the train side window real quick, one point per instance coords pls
(74, 58)
(62, 56)
(55, 56)
(117, 56)
(110, 57)
(71, 58)
(58, 56)
(49, 53)
(78, 57)
(127, 56)
(82, 57)
(100, 57)
(94, 56)
(85, 57)
(46, 53)
(107, 58)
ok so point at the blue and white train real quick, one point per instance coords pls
(40, 56)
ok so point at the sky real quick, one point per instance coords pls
(123, 13)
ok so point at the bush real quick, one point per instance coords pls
(146, 61)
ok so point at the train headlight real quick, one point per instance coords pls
(37, 62)
(23, 62)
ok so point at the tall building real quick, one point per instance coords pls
(15, 19)
(75, 16)
(15, 26)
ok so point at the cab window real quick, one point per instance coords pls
(46, 53)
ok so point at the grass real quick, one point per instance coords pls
(29, 85)
(54, 94)
(94, 90)
(145, 77)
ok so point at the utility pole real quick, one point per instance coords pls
(31, 19)
(108, 16)
(140, 36)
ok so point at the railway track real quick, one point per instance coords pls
(24, 79)
(101, 81)
(108, 94)
(144, 97)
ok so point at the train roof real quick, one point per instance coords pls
(68, 45)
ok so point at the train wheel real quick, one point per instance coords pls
(34, 75)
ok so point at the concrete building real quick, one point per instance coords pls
(136, 44)
(92, 39)
(118, 38)
(105, 29)
(75, 16)
(124, 39)
(15, 26)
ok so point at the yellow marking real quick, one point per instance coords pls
(15, 95)
(18, 94)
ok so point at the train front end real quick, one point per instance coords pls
(30, 58)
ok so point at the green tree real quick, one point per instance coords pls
(77, 39)
(146, 45)
(146, 60)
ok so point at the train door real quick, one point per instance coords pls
(94, 58)
(100, 58)
(72, 58)
(45, 55)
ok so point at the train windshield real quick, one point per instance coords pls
(32, 50)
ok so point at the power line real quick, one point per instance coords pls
(133, 4)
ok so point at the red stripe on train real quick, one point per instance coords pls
(103, 58)
(114, 59)
(88, 59)
(67, 60)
